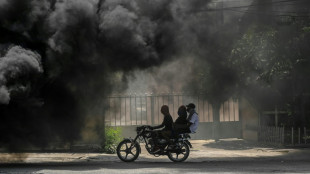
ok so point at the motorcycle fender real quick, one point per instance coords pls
(138, 145)
(188, 143)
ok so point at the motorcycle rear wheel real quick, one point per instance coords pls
(179, 154)
(127, 153)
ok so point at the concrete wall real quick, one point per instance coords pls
(204, 131)
(250, 120)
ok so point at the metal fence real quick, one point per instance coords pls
(271, 134)
(297, 136)
(284, 135)
(126, 110)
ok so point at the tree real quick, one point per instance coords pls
(272, 66)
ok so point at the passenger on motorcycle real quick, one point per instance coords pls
(182, 119)
(193, 119)
(188, 125)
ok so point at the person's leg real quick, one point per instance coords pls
(155, 135)
(166, 135)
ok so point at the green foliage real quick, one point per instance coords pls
(306, 29)
(112, 138)
(257, 58)
(273, 65)
(306, 137)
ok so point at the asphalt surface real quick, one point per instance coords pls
(225, 156)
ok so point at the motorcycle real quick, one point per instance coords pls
(129, 149)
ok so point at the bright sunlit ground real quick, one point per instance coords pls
(203, 150)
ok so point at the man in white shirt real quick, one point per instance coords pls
(193, 119)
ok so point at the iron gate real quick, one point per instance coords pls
(132, 110)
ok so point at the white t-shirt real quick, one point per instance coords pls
(195, 120)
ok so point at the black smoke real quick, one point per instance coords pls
(59, 57)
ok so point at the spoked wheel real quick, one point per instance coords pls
(127, 152)
(180, 153)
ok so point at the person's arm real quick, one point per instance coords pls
(192, 120)
(189, 124)
(161, 125)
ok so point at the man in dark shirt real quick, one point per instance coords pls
(167, 122)
(166, 125)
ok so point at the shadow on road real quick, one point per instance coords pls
(236, 144)
(199, 164)
(297, 159)
(121, 167)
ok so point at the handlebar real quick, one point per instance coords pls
(139, 128)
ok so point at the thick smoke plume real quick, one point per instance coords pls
(16, 63)
(61, 58)
(82, 45)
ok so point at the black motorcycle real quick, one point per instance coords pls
(129, 149)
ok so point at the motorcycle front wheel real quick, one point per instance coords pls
(127, 152)
(179, 153)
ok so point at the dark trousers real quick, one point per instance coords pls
(181, 129)
(166, 134)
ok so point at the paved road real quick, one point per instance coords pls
(233, 156)
(263, 166)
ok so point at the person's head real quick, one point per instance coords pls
(182, 110)
(190, 106)
(165, 110)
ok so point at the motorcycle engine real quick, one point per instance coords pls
(162, 141)
(151, 142)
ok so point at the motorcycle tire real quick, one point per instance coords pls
(183, 147)
(123, 151)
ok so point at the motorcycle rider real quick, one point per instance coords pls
(166, 125)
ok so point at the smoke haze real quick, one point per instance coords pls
(60, 58)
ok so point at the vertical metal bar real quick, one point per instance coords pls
(299, 135)
(158, 109)
(146, 109)
(136, 109)
(292, 135)
(110, 113)
(278, 135)
(167, 97)
(198, 103)
(203, 110)
(163, 98)
(228, 108)
(125, 97)
(115, 110)
(152, 110)
(223, 112)
(276, 116)
(234, 110)
(208, 119)
(182, 101)
(173, 103)
(178, 100)
(272, 134)
(305, 135)
(141, 108)
(283, 129)
(130, 116)
(120, 110)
